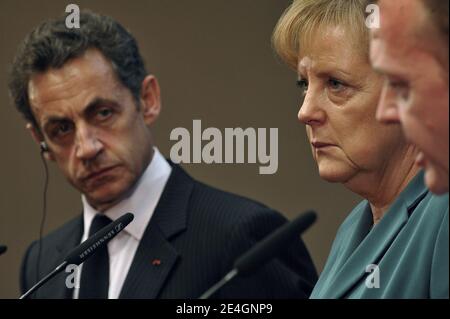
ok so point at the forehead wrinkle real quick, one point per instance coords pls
(90, 64)
(62, 86)
(327, 51)
(326, 64)
(48, 97)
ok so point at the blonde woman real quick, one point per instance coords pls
(394, 244)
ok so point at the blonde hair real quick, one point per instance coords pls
(302, 19)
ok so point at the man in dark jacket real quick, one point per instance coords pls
(90, 104)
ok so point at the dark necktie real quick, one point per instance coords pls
(94, 281)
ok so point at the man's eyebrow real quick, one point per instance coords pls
(52, 120)
(388, 72)
(89, 109)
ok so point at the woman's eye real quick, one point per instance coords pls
(336, 85)
(303, 85)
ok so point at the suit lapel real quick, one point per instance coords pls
(155, 256)
(374, 246)
(151, 266)
(359, 233)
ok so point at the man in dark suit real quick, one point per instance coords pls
(90, 103)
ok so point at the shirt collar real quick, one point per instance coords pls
(142, 202)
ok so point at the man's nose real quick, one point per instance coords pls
(387, 110)
(310, 112)
(88, 146)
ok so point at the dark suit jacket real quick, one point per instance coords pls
(196, 232)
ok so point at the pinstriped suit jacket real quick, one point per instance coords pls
(197, 232)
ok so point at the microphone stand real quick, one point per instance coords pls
(86, 249)
(211, 291)
(44, 280)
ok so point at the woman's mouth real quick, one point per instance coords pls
(321, 145)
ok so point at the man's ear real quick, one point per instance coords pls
(150, 99)
(38, 138)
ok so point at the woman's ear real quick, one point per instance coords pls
(150, 99)
(39, 139)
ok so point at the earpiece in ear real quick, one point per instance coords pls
(44, 147)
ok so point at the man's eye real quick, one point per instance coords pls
(104, 113)
(396, 84)
(62, 129)
(400, 88)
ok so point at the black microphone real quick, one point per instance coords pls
(3, 249)
(86, 249)
(265, 250)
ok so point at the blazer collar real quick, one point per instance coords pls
(364, 247)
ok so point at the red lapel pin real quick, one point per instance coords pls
(156, 262)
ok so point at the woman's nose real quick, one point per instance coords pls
(310, 112)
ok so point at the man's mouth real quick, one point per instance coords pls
(98, 173)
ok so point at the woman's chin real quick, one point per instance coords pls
(333, 175)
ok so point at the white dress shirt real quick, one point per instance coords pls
(142, 204)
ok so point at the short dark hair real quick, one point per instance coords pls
(52, 44)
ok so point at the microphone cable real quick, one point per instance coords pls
(44, 213)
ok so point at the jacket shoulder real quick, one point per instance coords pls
(229, 209)
(73, 227)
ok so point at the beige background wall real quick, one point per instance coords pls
(215, 63)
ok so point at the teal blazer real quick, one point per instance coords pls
(404, 256)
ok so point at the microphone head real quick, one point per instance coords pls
(98, 240)
(270, 246)
(3, 249)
